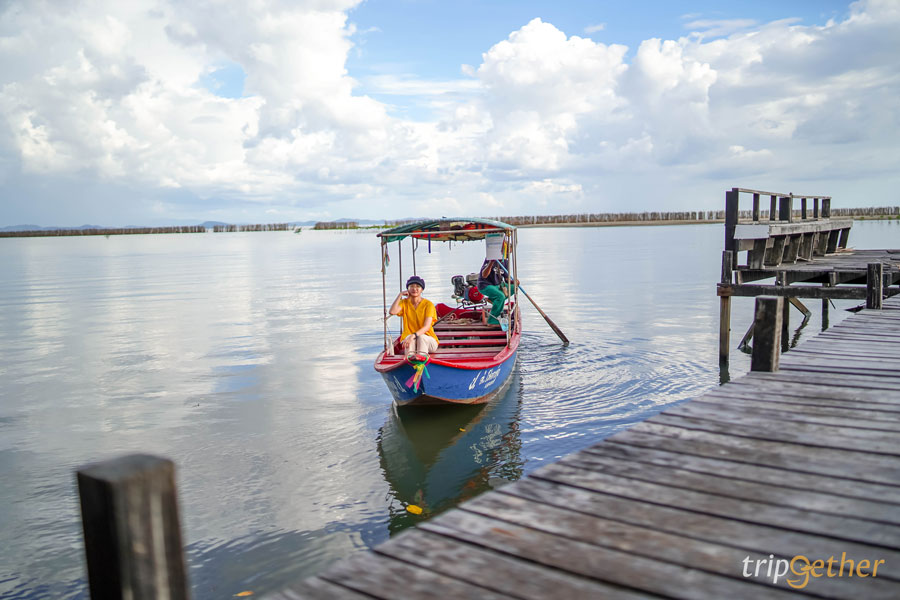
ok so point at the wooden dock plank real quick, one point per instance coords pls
(315, 588)
(647, 530)
(753, 411)
(875, 468)
(775, 493)
(752, 472)
(752, 537)
(499, 572)
(710, 502)
(589, 560)
(785, 407)
(379, 576)
(831, 380)
(823, 436)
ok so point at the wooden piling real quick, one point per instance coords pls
(767, 333)
(780, 281)
(132, 537)
(874, 285)
(725, 307)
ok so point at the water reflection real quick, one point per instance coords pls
(437, 457)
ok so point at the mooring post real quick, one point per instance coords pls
(781, 281)
(767, 333)
(725, 307)
(132, 537)
(874, 285)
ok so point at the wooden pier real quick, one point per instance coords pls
(786, 467)
(805, 251)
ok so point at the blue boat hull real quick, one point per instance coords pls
(447, 384)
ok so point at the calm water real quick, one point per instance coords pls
(247, 359)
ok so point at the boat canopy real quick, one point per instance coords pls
(447, 230)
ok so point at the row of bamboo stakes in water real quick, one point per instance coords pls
(695, 215)
(146, 230)
(586, 218)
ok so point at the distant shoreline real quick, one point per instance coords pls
(889, 214)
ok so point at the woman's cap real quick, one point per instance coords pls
(416, 279)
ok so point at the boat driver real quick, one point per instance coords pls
(494, 283)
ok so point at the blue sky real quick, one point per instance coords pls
(434, 37)
(156, 111)
(431, 39)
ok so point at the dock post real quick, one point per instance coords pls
(874, 285)
(132, 537)
(725, 307)
(767, 333)
(781, 281)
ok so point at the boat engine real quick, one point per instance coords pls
(465, 289)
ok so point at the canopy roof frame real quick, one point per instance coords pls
(447, 230)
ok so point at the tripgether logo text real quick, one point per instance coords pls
(802, 568)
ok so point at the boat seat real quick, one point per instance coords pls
(461, 357)
(442, 333)
(482, 349)
(469, 342)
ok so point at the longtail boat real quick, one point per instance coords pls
(474, 360)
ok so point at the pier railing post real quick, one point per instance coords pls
(767, 333)
(874, 285)
(732, 213)
(132, 537)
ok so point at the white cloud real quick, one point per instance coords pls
(595, 28)
(112, 93)
(709, 28)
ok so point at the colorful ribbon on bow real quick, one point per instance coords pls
(419, 368)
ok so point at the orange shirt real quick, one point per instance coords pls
(414, 316)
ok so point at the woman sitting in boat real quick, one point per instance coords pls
(493, 282)
(419, 315)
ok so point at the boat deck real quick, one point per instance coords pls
(462, 341)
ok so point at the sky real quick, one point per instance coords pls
(152, 112)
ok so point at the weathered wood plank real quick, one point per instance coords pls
(885, 373)
(806, 434)
(875, 468)
(820, 411)
(836, 389)
(494, 570)
(775, 494)
(667, 457)
(314, 588)
(752, 537)
(846, 528)
(833, 379)
(605, 530)
(381, 577)
(800, 414)
(597, 562)
(715, 537)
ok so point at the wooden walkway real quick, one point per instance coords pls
(804, 462)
